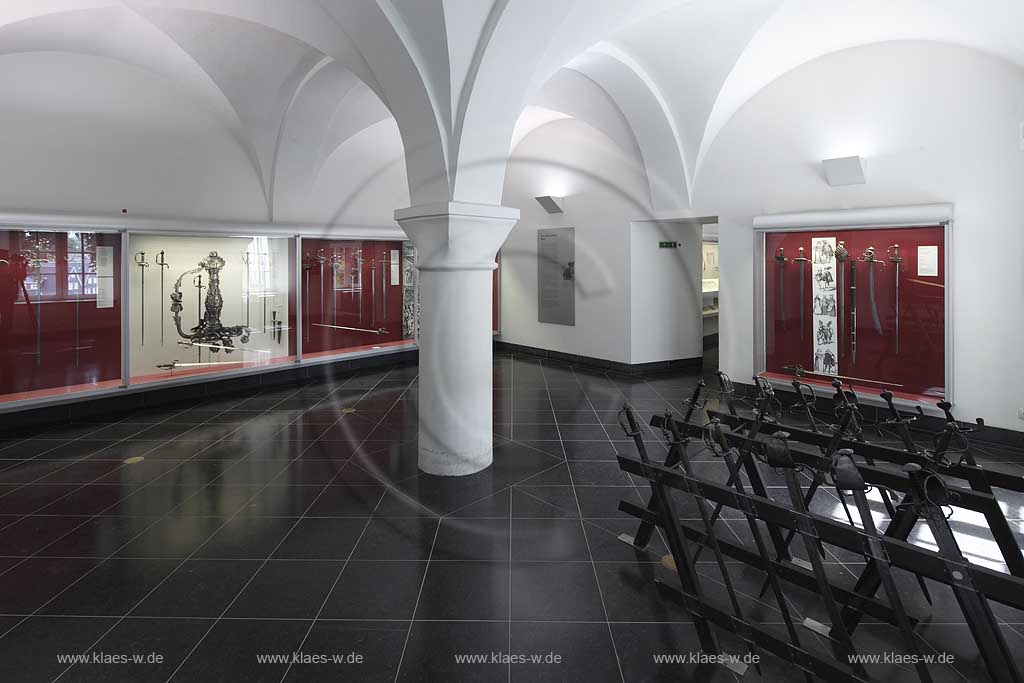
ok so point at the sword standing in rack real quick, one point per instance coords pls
(895, 259)
(841, 256)
(871, 261)
(801, 260)
(780, 258)
(140, 261)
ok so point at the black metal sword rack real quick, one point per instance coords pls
(925, 494)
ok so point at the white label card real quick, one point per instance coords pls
(396, 267)
(104, 292)
(928, 261)
(104, 262)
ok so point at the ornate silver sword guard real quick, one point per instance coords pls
(209, 330)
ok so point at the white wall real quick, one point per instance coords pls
(936, 124)
(664, 292)
(605, 188)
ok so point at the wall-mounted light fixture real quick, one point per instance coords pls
(551, 204)
(844, 171)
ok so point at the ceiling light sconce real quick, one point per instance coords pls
(551, 204)
(844, 171)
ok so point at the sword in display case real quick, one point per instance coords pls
(869, 259)
(896, 259)
(780, 258)
(801, 259)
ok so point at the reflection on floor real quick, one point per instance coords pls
(294, 520)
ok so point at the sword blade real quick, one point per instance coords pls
(801, 301)
(782, 293)
(840, 295)
(897, 307)
(874, 304)
(853, 311)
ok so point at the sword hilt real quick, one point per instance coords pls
(800, 257)
(140, 259)
(894, 253)
(869, 257)
(841, 253)
(780, 256)
(161, 261)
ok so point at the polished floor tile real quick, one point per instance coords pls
(272, 522)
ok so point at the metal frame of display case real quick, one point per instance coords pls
(180, 228)
(916, 216)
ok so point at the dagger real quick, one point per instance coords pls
(780, 258)
(895, 258)
(841, 256)
(871, 261)
(800, 259)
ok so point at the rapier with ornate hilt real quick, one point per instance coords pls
(209, 331)
(161, 261)
(841, 256)
(871, 261)
(801, 260)
(895, 259)
(140, 261)
(780, 258)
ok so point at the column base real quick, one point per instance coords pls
(448, 464)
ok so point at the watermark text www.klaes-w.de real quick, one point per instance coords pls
(700, 657)
(902, 658)
(100, 657)
(311, 658)
(508, 658)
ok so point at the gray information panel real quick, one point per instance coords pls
(556, 276)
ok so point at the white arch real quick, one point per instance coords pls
(648, 113)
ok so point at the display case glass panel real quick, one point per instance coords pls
(201, 304)
(870, 310)
(354, 296)
(60, 312)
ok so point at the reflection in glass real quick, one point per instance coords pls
(354, 295)
(207, 304)
(58, 334)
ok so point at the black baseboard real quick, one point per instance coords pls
(925, 425)
(692, 364)
(109, 407)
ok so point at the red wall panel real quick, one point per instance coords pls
(919, 367)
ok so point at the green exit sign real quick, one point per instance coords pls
(668, 245)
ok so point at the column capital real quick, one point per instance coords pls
(455, 209)
(457, 235)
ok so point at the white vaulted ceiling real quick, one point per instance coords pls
(296, 86)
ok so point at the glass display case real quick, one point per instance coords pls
(865, 305)
(201, 304)
(354, 296)
(60, 312)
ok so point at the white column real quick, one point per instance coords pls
(456, 245)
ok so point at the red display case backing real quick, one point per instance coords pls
(917, 369)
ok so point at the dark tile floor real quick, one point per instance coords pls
(201, 538)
